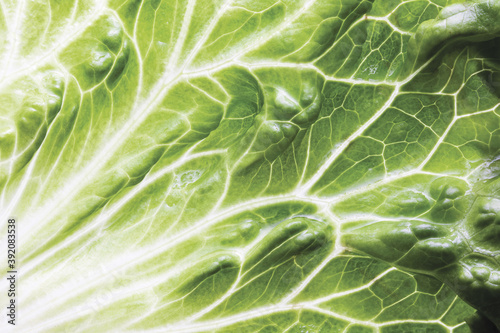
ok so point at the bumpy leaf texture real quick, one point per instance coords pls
(252, 165)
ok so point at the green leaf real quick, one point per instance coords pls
(251, 166)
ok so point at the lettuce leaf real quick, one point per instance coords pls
(252, 166)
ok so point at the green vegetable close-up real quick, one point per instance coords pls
(250, 166)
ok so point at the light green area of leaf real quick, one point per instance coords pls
(252, 166)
